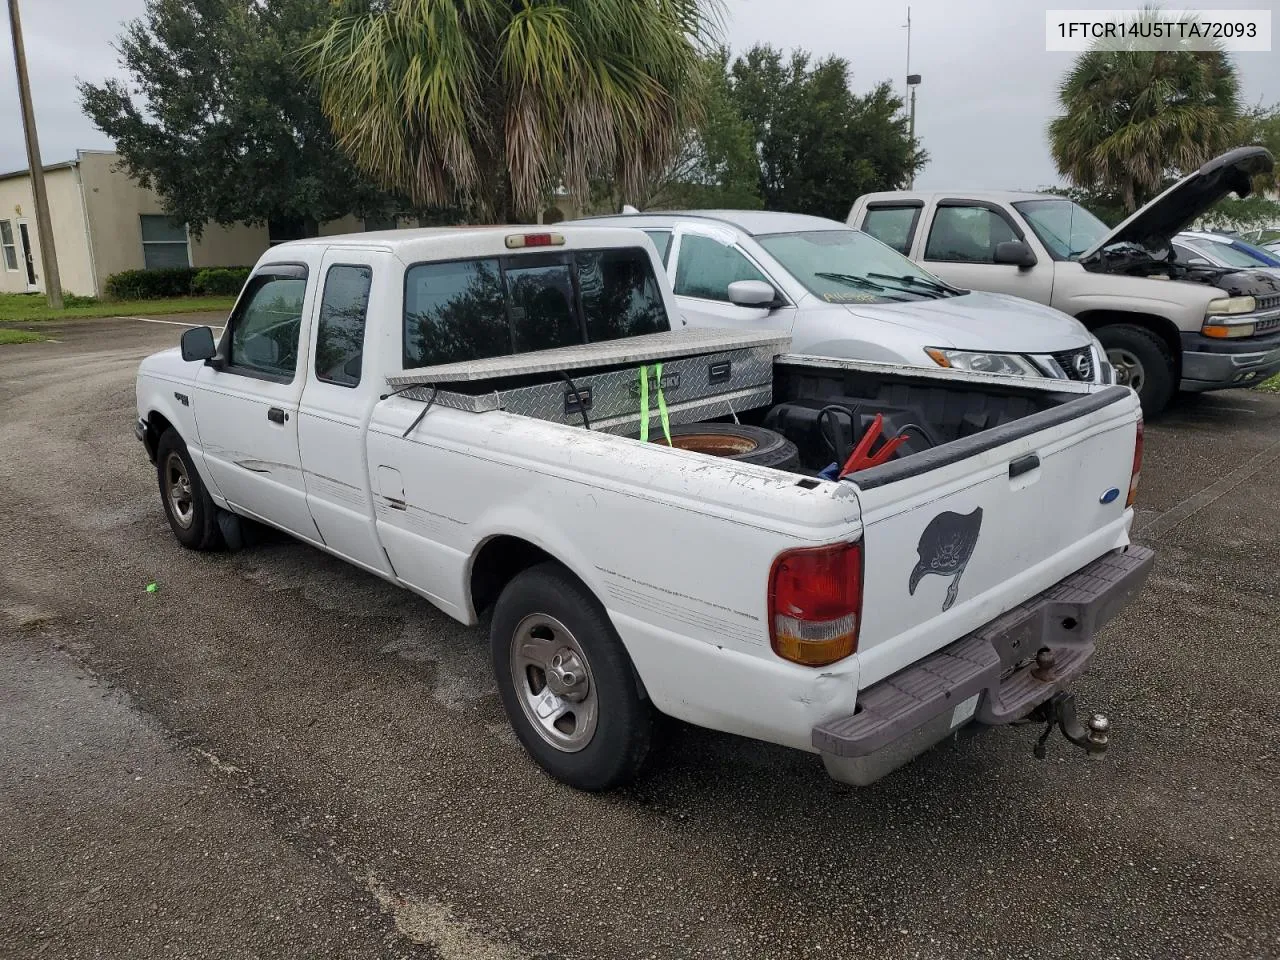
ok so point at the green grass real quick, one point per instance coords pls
(28, 307)
(18, 336)
(1270, 386)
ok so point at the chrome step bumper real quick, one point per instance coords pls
(990, 675)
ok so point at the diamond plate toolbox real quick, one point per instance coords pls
(695, 388)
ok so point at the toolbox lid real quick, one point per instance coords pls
(642, 349)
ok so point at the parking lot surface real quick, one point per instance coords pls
(276, 755)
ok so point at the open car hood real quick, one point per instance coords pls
(1177, 208)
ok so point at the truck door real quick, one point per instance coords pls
(340, 393)
(246, 404)
(959, 245)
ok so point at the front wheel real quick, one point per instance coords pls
(192, 514)
(566, 682)
(1141, 360)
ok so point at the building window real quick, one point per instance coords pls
(164, 242)
(10, 250)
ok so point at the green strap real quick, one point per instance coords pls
(662, 408)
(644, 404)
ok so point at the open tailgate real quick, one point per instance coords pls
(957, 535)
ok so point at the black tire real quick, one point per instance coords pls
(1158, 369)
(744, 443)
(196, 527)
(614, 749)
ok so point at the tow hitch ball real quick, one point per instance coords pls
(1060, 709)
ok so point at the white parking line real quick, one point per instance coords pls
(176, 323)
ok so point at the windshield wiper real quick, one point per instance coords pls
(853, 279)
(921, 282)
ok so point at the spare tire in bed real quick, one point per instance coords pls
(735, 441)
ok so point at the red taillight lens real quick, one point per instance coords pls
(1136, 475)
(815, 603)
(518, 241)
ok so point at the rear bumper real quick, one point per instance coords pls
(988, 675)
(1209, 364)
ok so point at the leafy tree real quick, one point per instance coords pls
(217, 118)
(1133, 118)
(717, 164)
(1262, 127)
(490, 104)
(819, 144)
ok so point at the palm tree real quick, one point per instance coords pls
(489, 104)
(1133, 118)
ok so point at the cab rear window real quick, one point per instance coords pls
(487, 307)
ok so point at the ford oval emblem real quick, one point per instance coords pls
(1110, 495)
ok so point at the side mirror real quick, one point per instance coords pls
(752, 293)
(197, 344)
(1015, 253)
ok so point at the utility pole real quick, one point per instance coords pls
(913, 81)
(44, 226)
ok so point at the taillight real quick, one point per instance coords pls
(1136, 475)
(815, 603)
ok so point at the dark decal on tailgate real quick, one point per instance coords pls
(945, 548)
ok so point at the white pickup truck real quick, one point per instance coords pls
(688, 522)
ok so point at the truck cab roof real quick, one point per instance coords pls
(437, 243)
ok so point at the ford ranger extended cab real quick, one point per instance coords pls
(1167, 324)
(848, 558)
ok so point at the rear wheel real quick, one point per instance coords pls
(190, 510)
(1142, 361)
(566, 681)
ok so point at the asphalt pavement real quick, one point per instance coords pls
(276, 755)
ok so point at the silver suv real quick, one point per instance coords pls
(841, 293)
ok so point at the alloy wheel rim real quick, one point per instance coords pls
(554, 683)
(177, 491)
(1128, 368)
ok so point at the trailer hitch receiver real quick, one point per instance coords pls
(1060, 711)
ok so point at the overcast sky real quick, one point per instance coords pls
(986, 97)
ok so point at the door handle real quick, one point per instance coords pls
(1023, 465)
(276, 415)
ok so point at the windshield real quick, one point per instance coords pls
(1063, 226)
(1229, 254)
(848, 266)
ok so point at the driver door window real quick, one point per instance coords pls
(264, 332)
(705, 268)
(967, 235)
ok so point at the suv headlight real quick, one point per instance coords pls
(1225, 318)
(1230, 306)
(1009, 364)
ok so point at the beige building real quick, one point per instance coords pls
(104, 222)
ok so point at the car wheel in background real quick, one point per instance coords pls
(1141, 360)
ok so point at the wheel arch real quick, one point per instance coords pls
(501, 557)
(157, 423)
(1163, 327)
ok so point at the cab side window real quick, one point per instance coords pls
(967, 235)
(265, 329)
(340, 328)
(705, 268)
(892, 226)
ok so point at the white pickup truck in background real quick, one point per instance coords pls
(690, 522)
(1167, 324)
